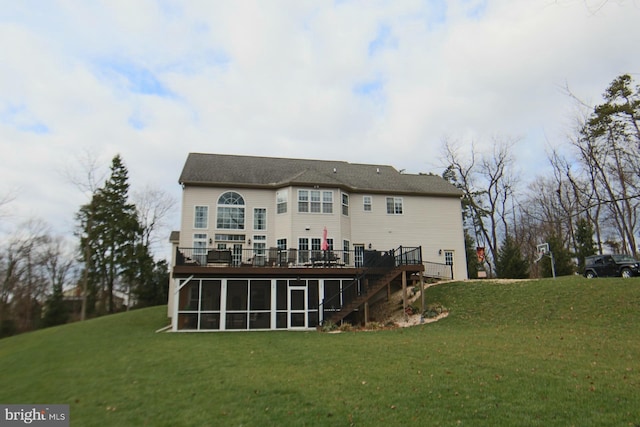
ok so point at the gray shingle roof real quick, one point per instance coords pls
(222, 170)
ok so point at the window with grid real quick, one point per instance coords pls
(259, 249)
(230, 211)
(345, 248)
(303, 200)
(200, 217)
(200, 248)
(448, 257)
(394, 205)
(345, 204)
(327, 202)
(316, 245)
(367, 203)
(281, 244)
(281, 202)
(303, 250)
(315, 201)
(259, 219)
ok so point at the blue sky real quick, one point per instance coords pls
(364, 81)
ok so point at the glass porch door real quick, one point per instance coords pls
(297, 307)
(358, 255)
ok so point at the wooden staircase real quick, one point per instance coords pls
(373, 288)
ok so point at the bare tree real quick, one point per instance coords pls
(153, 206)
(31, 263)
(608, 149)
(85, 173)
(5, 199)
(489, 187)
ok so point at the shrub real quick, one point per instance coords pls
(328, 327)
(345, 327)
(412, 309)
(510, 263)
(434, 310)
(374, 325)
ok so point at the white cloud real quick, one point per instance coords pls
(377, 82)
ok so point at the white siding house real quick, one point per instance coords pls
(258, 224)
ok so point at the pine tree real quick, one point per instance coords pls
(510, 264)
(563, 263)
(585, 246)
(110, 233)
(472, 256)
(155, 290)
(55, 312)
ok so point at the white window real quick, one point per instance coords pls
(281, 202)
(448, 257)
(230, 211)
(345, 255)
(303, 200)
(281, 244)
(303, 250)
(315, 201)
(259, 249)
(327, 202)
(201, 215)
(394, 205)
(345, 204)
(367, 203)
(200, 248)
(259, 219)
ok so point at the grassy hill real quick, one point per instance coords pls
(536, 353)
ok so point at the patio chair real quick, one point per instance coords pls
(292, 258)
(273, 257)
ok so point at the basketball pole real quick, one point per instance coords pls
(543, 250)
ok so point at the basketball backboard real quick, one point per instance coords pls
(543, 249)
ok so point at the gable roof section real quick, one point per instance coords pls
(220, 170)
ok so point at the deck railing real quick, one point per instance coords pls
(274, 257)
(437, 270)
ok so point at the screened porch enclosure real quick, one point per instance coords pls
(210, 304)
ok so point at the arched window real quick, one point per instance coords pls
(230, 211)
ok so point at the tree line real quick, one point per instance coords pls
(588, 204)
(46, 279)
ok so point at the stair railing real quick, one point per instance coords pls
(375, 265)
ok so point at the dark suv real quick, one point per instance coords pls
(610, 265)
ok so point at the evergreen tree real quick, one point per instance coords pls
(138, 272)
(510, 264)
(156, 290)
(472, 257)
(110, 232)
(585, 246)
(56, 312)
(564, 265)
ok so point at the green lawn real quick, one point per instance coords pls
(537, 353)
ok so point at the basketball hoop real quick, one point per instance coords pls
(543, 249)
